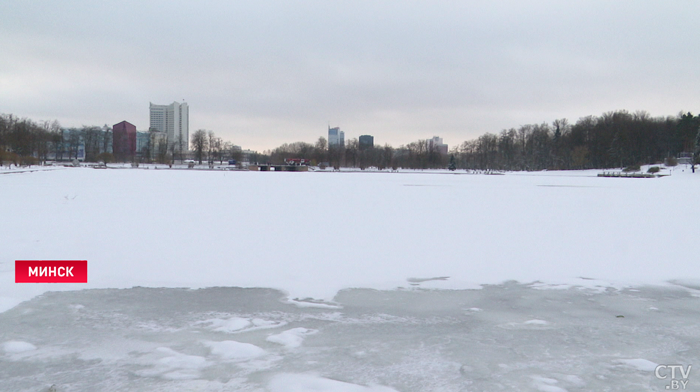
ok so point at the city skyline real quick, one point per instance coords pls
(264, 74)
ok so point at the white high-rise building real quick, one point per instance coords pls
(174, 120)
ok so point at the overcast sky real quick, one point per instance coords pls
(263, 73)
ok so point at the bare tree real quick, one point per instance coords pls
(91, 139)
(218, 149)
(57, 143)
(106, 139)
(73, 143)
(351, 151)
(210, 145)
(233, 151)
(321, 150)
(200, 143)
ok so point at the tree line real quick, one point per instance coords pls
(207, 146)
(27, 142)
(416, 155)
(613, 139)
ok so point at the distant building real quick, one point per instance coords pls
(72, 144)
(150, 145)
(336, 137)
(159, 144)
(249, 156)
(143, 141)
(436, 142)
(124, 140)
(174, 120)
(366, 141)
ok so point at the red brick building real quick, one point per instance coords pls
(124, 140)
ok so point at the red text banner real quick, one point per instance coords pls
(50, 271)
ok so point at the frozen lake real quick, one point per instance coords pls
(551, 281)
(502, 337)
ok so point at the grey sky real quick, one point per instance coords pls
(262, 73)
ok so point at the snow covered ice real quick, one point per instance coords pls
(148, 339)
(205, 280)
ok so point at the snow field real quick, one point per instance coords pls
(387, 282)
(313, 234)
